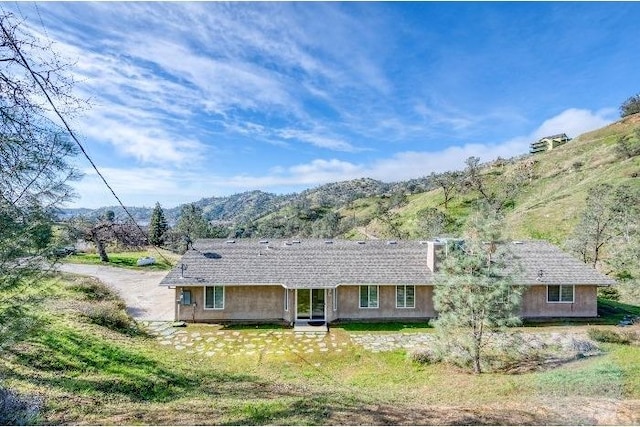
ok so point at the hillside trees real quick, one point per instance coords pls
(35, 168)
(385, 213)
(630, 106)
(474, 294)
(432, 223)
(628, 146)
(496, 195)
(158, 226)
(449, 182)
(610, 215)
(326, 227)
(191, 225)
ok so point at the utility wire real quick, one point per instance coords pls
(71, 133)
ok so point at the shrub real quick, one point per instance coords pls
(110, 314)
(424, 356)
(16, 409)
(609, 293)
(630, 106)
(627, 146)
(608, 336)
(94, 290)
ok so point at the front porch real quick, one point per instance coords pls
(313, 327)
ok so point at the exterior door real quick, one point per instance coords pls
(310, 304)
(317, 304)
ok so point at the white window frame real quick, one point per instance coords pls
(560, 301)
(286, 299)
(369, 287)
(404, 303)
(335, 299)
(214, 297)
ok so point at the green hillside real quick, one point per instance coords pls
(548, 206)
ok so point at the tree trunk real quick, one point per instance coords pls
(99, 247)
(476, 364)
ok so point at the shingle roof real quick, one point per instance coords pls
(310, 263)
(314, 263)
(558, 267)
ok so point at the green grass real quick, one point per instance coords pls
(126, 260)
(91, 374)
(609, 313)
(391, 326)
(612, 312)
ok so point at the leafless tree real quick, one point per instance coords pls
(34, 153)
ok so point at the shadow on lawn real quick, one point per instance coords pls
(86, 364)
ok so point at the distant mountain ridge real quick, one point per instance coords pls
(547, 209)
(250, 205)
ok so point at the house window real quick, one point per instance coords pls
(560, 293)
(286, 300)
(369, 296)
(214, 297)
(335, 299)
(405, 296)
(186, 297)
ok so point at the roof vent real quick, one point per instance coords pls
(392, 242)
(264, 241)
(423, 242)
(540, 274)
(231, 241)
(328, 242)
(361, 242)
(287, 243)
(517, 242)
(297, 242)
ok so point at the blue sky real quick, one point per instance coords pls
(193, 100)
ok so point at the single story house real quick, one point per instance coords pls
(290, 281)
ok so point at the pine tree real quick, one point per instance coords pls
(474, 294)
(158, 226)
(192, 224)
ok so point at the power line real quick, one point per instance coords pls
(42, 22)
(71, 133)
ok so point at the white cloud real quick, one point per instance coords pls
(140, 135)
(574, 122)
(142, 187)
(317, 139)
(413, 164)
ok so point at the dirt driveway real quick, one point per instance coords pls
(145, 299)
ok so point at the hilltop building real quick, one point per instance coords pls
(548, 143)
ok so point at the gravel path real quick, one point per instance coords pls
(145, 299)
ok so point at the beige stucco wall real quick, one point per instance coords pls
(349, 304)
(259, 303)
(534, 303)
(266, 303)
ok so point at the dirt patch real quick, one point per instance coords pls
(563, 412)
(140, 290)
